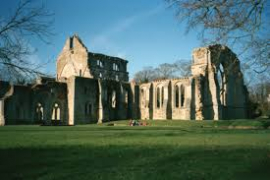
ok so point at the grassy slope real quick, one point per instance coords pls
(164, 150)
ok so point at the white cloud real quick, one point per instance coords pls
(127, 22)
(104, 40)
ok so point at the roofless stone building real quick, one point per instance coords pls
(93, 88)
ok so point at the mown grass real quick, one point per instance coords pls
(163, 150)
(263, 124)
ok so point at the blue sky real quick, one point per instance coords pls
(146, 33)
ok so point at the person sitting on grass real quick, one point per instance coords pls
(133, 123)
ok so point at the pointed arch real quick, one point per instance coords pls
(56, 112)
(182, 89)
(158, 97)
(162, 96)
(176, 96)
(68, 70)
(39, 112)
(88, 108)
(126, 98)
(142, 98)
(113, 99)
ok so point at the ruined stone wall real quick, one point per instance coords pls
(98, 100)
(134, 101)
(162, 99)
(223, 94)
(127, 99)
(146, 101)
(181, 98)
(6, 90)
(107, 67)
(166, 99)
(116, 100)
(73, 60)
(50, 95)
(21, 106)
(91, 88)
(207, 94)
(18, 106)
(86, 101)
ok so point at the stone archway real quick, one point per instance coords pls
(39, 112)
(230, 85)
(231, 95)
(224, 95)
(68, 70)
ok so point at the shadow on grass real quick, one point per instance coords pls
(123, 128)
(129, 162)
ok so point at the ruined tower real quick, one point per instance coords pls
(76, 60)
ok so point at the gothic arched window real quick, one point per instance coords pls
(56, 112)
(162, 96)
(88, 108)
(176, 98)
(113, 99)
(39, 112)
(182, 95)
(158, 97)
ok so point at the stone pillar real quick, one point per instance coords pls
(121, 111)
(71, 100)
(135, 101)
(198, 99)
(100, 105)
(2, 113)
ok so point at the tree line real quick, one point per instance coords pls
(179, 68)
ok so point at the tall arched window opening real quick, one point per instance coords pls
(158, 97)
(182, 96)
(56, 112)
(115, 67)
(88, 108)
(39, 112)
(162, 96)
(126, 98)
(176, 96)
(142, 98)
(113, 99)
(99, 63)
(221, 82)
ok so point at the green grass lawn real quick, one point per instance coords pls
(164, 150)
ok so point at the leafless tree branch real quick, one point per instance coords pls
(242, 23)
(27, 21)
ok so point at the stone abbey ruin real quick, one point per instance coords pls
(94, 88)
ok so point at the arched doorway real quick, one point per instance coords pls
(39, 112)
(56, 114)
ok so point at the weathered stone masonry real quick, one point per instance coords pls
(93, 88)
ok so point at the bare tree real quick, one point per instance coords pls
(182, 68)
(146, 75)
(241, 23)
(260, 95)
(165, 71)
(28, 20)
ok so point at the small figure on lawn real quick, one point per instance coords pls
(133, 123)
